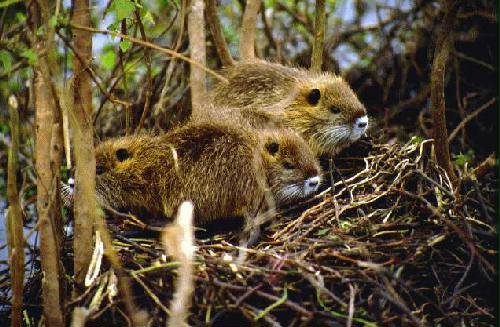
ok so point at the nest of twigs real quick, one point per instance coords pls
(389, 244)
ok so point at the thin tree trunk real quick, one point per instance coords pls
(319, 36)
(443, 44)
(46, 194)
(83, 132)
(47, 165)
(196, 31)
(217, 35)
(15, 219)
(247, 32)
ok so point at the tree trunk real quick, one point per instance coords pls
(319, 36)
(83, 133)
(15, 219)
(47, 164)
(247, 32)
(443, 44)
(217, 35)
(196, 31)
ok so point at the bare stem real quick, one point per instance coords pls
(217, 35)
(196, 31)
(443, 44)
(247, 32)
(319, 36)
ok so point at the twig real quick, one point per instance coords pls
(152, 46)
(149, 84)
(469, 117)
(352, 293)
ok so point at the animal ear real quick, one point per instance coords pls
(314, 96)
(122, 154)
(272, 147)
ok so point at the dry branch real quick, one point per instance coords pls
(217, 35)
(46, 194)
(469, 118)
(48, 151)
(441, 54)
(15, 219)
(152, 46)
(196, 31)
(138, 317)
(83, 137)
(164, 96)
(247, 32)
(179, 243)
(319, 36)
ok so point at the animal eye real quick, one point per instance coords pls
(99, 170)
(272, 147)
(122, 154)
(314, 96)
(288, 165)
(334, 110)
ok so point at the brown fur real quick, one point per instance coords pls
(225, 171)
(268, 94)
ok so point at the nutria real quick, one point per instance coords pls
(225, 171)
(320, 106)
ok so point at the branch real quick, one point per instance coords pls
(83, 133)
(217, 35)
(152, 46)
(247, 32)
(319, 36)
(178, 240)
(469, 118)
(441, 54)
(149, 86)
(196, 31)
(46, 167)
(171, 65)
(15, 219)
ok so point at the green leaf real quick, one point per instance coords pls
(416, 139)
(322, 232)
(20, 17)
(122, 8)
(108, 60)
(6, 60)
(461, 159)
(125, 45)
(30, 55)
(53, 21)
(114, 26)
(148, 18)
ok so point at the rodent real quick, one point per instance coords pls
(225, 171)
(322, 107)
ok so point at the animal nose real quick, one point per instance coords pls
(313, 183)
(361, 122)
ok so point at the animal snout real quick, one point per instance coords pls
(312, 184)
(361, 122)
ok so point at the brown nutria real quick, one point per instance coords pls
(225, 171)
(320, 106)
